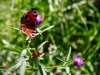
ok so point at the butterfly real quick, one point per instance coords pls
(30, 21)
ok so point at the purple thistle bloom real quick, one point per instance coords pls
(78, 61)
(39, 19)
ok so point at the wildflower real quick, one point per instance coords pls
(78, 61)
(4, 64)
(39, 19)
(54, 68)
(36, 53)
(57, 73)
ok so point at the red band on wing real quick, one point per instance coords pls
(28, 31)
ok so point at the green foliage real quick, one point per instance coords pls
(75, 25)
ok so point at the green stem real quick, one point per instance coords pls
(29, 40)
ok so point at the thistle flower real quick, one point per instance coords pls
(78, 61)
(36, 53)
(39, 19)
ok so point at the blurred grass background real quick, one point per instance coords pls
(76, 25)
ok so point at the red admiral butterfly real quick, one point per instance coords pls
(30, 21)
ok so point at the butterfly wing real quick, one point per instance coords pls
(30, 17)
(24, 19)
(28, 31)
